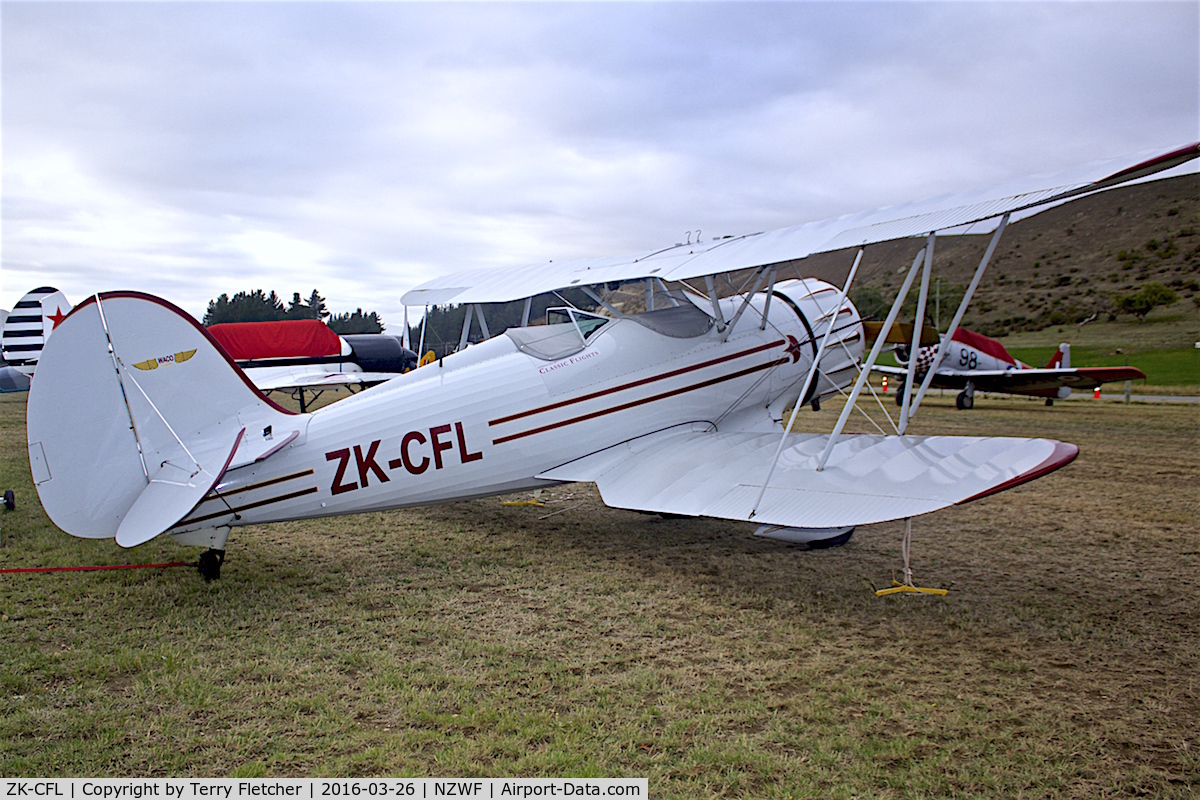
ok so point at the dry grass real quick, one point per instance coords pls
(477, 639)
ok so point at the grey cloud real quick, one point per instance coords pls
(402, 140)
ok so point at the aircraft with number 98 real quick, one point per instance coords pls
(973, 362)
(139, 425)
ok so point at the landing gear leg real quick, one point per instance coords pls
(210, 564)
(966, 398)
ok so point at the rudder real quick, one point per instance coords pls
(135, 413)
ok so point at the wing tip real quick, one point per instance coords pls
(1064, 453)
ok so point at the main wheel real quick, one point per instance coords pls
(964, 401)
(835, 541)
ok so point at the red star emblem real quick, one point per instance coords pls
(794, 349)
(57, 317)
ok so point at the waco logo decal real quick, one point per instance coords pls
(174, 358)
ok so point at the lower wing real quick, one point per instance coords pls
(696, 471)
(1036, 381)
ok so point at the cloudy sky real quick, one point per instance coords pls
(189, 149)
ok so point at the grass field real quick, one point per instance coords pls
(1163, 347)
(575, 640)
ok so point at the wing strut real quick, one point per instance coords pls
(758, 279)
(944, 345)
(609, 306)
(870, 362)
(767, 303)
(918, 321)
(712, 295)
(424, 325)
(812, 373)
(466, 330)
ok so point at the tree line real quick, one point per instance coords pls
(260, 306)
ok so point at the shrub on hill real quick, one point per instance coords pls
(1144, 300)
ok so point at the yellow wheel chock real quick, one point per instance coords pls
(908, 586)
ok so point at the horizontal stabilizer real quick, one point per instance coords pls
(696, 471)
(168, 497)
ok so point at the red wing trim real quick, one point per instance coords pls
(1150, 166)
(1064, 453)
(172, 307)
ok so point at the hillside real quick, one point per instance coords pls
(1059, 267)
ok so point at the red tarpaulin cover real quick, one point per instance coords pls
(294, 338)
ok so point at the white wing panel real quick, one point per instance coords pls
(867, 478)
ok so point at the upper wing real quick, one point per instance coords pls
(686, 261)
(694, 470)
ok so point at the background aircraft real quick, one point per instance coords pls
(23, 333)
(973, 363)
(302, 355)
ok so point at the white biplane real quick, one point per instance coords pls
(676, 409)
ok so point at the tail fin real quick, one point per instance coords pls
(1061, 358)
(24, 332)
(135, 414)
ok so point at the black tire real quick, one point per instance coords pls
(964, 402)
(10, 500)
(210, 564)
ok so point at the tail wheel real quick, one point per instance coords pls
(210, 564)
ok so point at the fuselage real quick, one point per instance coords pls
(966, 352)
(490, 419)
